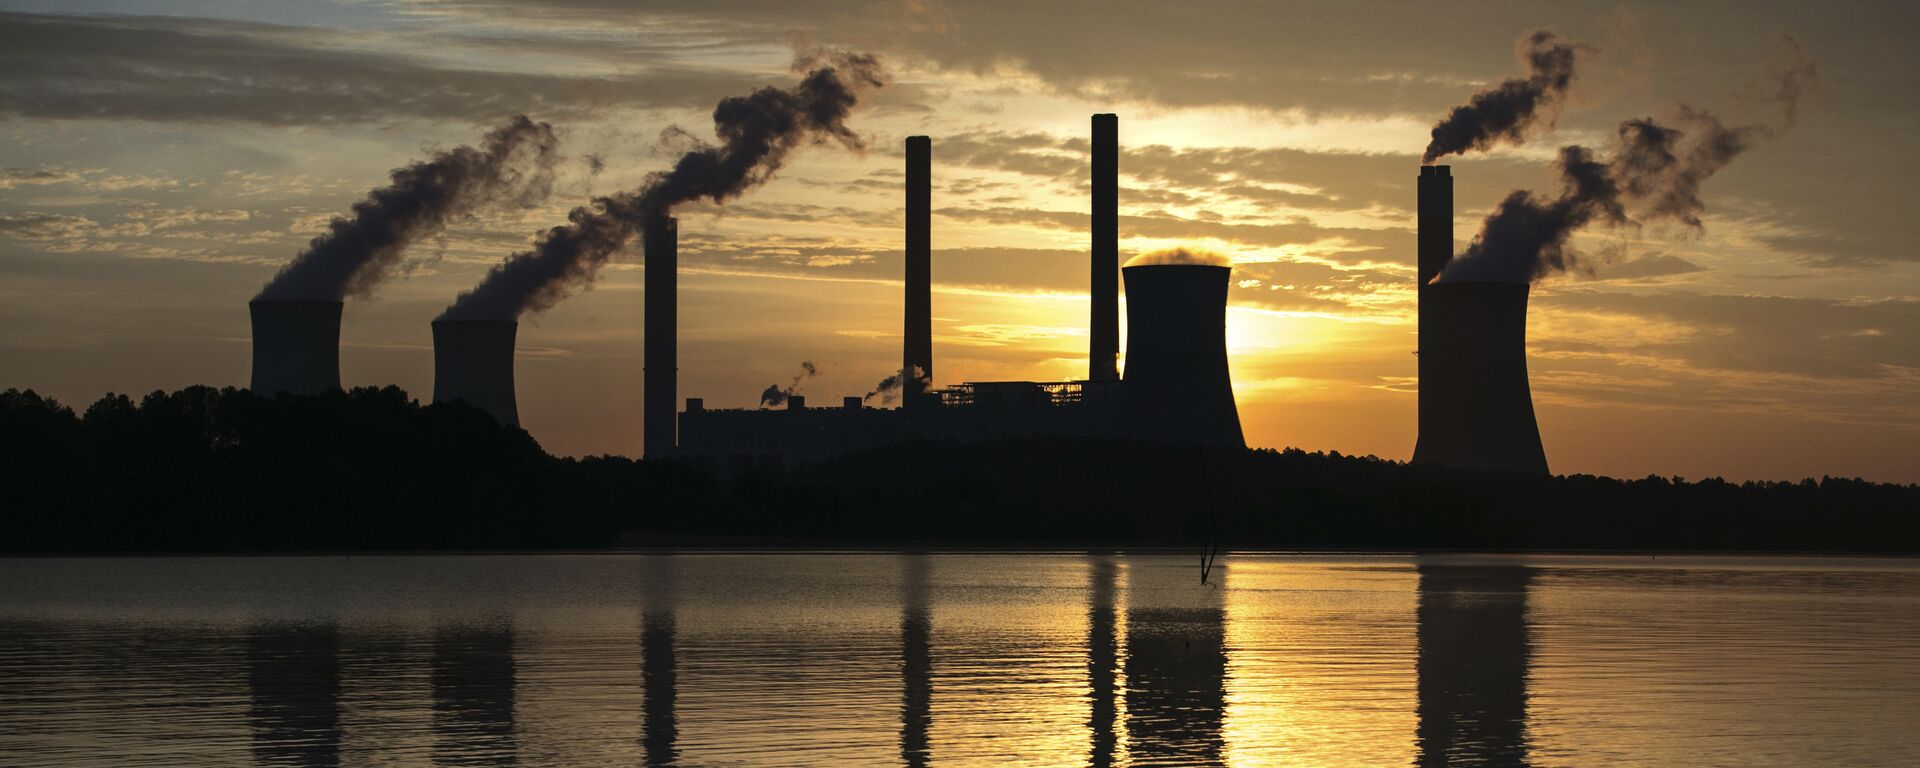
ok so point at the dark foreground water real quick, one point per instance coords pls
(882, 659)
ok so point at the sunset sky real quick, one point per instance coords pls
(163, 159)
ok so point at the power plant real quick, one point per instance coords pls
(1475, 407)
(296, 346)
(473, 362)
(1176, 385)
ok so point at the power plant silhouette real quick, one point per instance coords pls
(1176, 386)
(1475, 407)
(296, 346)
(473, 361)
(1476, 410)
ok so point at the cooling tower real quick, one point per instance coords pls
(296, 346)
(660, 244)
(1176, 385)
(1104, 286)
(473, 361)
(1475, 407)
(918, 328)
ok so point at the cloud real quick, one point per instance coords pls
(1211, 53)
(170, 218)
(45, 226)
(21, 177)
(1820, 338)
(198, 70)
(1648, 266)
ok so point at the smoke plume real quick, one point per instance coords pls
(1655, 174)
(889, 388)
(775, 395)
(513, 164)
(756, 133)
(1508, 110)
(1526, 237)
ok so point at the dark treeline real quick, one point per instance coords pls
(224, 469)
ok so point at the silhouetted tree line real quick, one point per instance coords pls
(225, 469)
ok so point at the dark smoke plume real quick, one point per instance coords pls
(1653, 168)
(889, 388)
(514, 163)
(756, 133)
(1655, 174)
(1526, 237)
(1508, 110)
(775, 395)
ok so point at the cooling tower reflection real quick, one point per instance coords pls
(1474, 648)
(473, 694)
(293, 678)
(1176, 665)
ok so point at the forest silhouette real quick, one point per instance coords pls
(205, 469)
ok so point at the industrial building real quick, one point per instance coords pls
(473, 361)
(296, 346)
(1175, 388)
(1475, 405)
(1476, 410)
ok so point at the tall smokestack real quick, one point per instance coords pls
(1434, 207)
(660, 238)
(1476, 410)
(916, 365)
(1177, 385)
(473, 362)
(296, 346)
(1104, 287)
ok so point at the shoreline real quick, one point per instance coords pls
(719, 546)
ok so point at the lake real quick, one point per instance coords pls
(854, 659)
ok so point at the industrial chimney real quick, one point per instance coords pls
(296, 346)
(1177, 387)
(660, 243)
(916, 365)
(473, 362)
(1104, 287)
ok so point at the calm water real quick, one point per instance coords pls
(882, 659)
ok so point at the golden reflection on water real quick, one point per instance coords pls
(1322, 669)
(1104, 660)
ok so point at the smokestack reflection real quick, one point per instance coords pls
(473, 694)
(1176, 666)
(916, 663)
(658, 668)
(1474, 650)
(293, 676)
(1103, 652)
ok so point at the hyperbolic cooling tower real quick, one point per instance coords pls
(1476, 410)
(473, 361)
(296, 346)
(660, 249)
(1177, 386)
